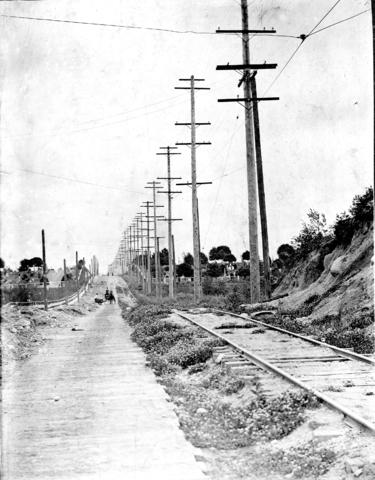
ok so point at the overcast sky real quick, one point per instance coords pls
(85, 109)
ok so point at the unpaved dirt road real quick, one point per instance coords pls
(86, 407)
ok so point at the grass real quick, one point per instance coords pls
(304, 461)
(203, 391)
(329, 328)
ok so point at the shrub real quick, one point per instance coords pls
(362, 209)
(358, 339)
(362, 321)
(343, 229)
(186, 353)
(312, 234)
(213, 287)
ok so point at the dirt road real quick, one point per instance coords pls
(86, 407)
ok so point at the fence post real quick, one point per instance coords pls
(44, 272)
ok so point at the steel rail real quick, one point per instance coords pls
(338, 350)
(268, 366)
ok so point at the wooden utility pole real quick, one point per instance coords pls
(44, 272)
(261, 192)
(250, 153)
(193, 145)
(142, 258)
(174, 264)
(154, 186)
(66, 301)
(169, 192)
(147, 205)
(77, 279)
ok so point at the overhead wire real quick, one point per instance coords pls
(112, 25)
(313, 31)
(60, 177)
(340, 21)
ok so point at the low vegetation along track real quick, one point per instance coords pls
(342, 379)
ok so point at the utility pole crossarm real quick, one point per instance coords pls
(248, 66)
(251, 99)
(169, 191)
(195, 143)
(197, 183)
(196, 123)
(195, 88)
(245, 31)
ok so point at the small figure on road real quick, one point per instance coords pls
(111, 298)
(106, 295)
(97, 299)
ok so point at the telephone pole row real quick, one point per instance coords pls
(193, 144)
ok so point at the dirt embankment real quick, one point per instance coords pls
(338, 284)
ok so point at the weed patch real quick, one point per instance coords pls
(305, 461)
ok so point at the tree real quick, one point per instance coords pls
(184, 270)
(215, 270)
(218, 253)
(35, 262)
(362, 209)
(189, 259)
(286, 253)
(245, 255)
(2, 263)
(164, 257)
(203, 258)
(312, 234)
(24, 265)
(229, 258)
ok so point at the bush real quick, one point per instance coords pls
(362, 321)
(186, 353)
(213, 287)
(312, 234)
(343, 229)
(358, 339)
(362, 209)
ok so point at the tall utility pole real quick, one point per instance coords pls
(148, 205)
(136, 238)
(261, 192)
(249, 132)
(169, 192)
(193, 145)
(142, 253)
(147, 230)
(44, 272)
(154, 186)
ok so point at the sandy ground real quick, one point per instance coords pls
(85, 406)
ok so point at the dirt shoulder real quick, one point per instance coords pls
(24, 329)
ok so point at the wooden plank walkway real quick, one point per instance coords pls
(86, 407)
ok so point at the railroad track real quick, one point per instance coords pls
(342, 379)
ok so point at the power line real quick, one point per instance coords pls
(340, 21)
(304, 37)
(92, 127)
(59, 177)
(324, 16)
(113, 25)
